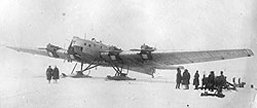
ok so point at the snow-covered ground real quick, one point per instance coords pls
(35, 92)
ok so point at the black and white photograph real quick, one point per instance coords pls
(128, 54)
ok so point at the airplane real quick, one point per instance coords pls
(144, 60)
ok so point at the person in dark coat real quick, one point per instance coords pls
(204, 82)
(49, 71)
(56, 73)
(196, 80)
(220, 82)
(179, 78)
(211, 81)
(223, 78)
(186, 79)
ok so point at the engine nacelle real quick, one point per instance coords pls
(111, 55)
(114, 56)
(147, 48)
(145, 52)
(51, 50)
(146, 55)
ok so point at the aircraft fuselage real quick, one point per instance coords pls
(88, 50)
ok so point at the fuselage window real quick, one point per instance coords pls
(85, 44)
(101, 47)
(94, 45)
(89, 45)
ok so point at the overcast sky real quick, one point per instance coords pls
(165, 24)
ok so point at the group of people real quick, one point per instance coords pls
(213, 82)
(52, 74)
(210, 83)
(184, 80)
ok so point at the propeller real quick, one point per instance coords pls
(50, 47)
(70, 48)
(112, 49)
(70, 51)
(144, 48)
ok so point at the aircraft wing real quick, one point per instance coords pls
(59, 53)
(164, 59)
(37, 51)
(176, 58)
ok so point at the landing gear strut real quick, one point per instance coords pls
(80, 73)
(118, 70)
(90, 66)
(114, 60)
(119, 75)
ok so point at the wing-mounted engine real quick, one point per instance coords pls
(111, 54)
(52, 50)
(58, 52)
(114, 53)
(145, 52)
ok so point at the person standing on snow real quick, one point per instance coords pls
(186, 79)
(179, 78)
(56, 74)
(211, 81)
(49, 71)
(196, 80)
